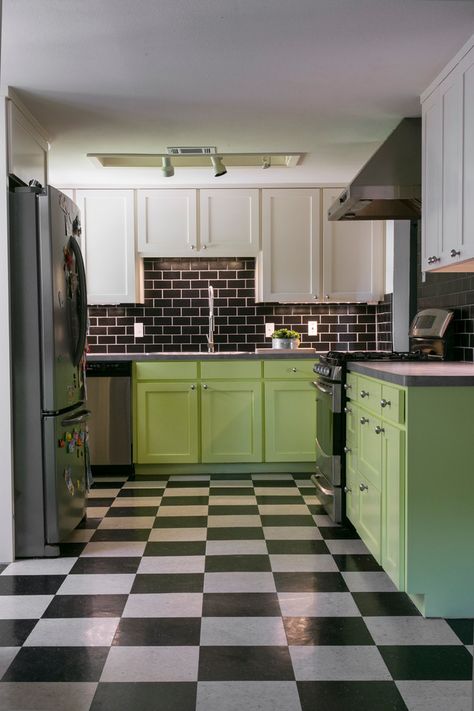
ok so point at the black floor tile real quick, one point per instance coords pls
(289, 520)
(57, 664)
(241, 605)
(350, 696)
(327, 631)
(166, 631)
(271, 500)
(105, 565)
(176, 548)
(381, 604)
(151, 477)
(310, 582)
(232, 477)
(186, 484)
(229, 510)
(356, 563)
(98, 484)
(93, 502)
(184, 501)
(464, 629)
(145, 696)
(116, 511)
(120, 534)
(274, 483)
(30, 584)
(234, 563)
(245, 664)
(137, 493)
(297, 547)
(316, 509)
(168, 583)
(232, 491)
(88, 523)
(239, 533)
(73, 550)
(180, 522)
(14, 632)
(338, 533)
(63, 606)
(427, 662)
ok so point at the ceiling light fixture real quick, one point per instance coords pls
(218, 165)
(166, 167)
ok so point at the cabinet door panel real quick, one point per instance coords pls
(167, 423)
(166, 221)
(393, 453)
(229, 222)
(369, 527)
(451, 226)
(468, 161)
(370, 448)
(352, 492)
(290, 422)
(231, 421)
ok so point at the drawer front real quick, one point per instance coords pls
(231, 369)
(393, 404)
(289, 369)
(369, 393)
(166, 370)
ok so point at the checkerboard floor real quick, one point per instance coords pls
(220, 593)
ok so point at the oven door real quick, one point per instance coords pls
(329, 430)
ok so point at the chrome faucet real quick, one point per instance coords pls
(210, 335)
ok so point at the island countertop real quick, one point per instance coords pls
(421, 374)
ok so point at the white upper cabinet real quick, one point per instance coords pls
(229, 222)
(353, 257)
(448, 169)
(27, 148)
(289, 266)
(166, 222)
(108, 243)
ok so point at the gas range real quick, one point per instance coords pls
(333, 364)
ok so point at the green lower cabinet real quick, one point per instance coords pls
(290, 421)
(393, 509)
(370, 520)
(370, 449)
(231, 421)
(167, 423)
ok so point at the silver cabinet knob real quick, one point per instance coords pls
(364, 393)
(363, 487)
(347, 450)
(347, 386)
(385, 403)
(455, 253)
(433, 259)
(347, 410)
(347, 490)
(363, 420)
(379, 430)
(315, 296)
(193, 387)
(327, 296)
(293, 370)
(204, 246)
(205, 387)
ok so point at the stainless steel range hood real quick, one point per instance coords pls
(388, 187)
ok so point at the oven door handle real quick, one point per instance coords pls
(326, 491)
(326, 391)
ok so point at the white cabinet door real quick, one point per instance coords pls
(27, 149)
(166, 222)
(290, 261)
(353, 257)
(432, 181)
(229, 222)
(108, 233)
(468, 159)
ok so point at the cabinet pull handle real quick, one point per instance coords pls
(192, 246)
(363, 487)
(204, 246)
(347, 450)
(347, 386)
(385, 403)
(378, 430)
(364, 393)
(347, 490)
(193, 387)
(455, 253)
(328, 296)
(363, 420)
(433, 259)
(293, 370)
(205, 387)
(347, 410)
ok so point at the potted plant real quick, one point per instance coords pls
(285, 338)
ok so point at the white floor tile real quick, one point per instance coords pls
(243, 631)
(233, 521)
(231, 483)
(80, 535)
(318, 563)
(103, 493)
(112, 549)
(368, 581)
(410, 631)
(248, 695)
(135, 664)
(238, 582)
(73, 632)
(232, 500)
(172, 564)
(97, 584)
(23, 607)
(324, 521)
(40, 566)
(311, 499)
(189, 477)
(177, 534)
(182, 511)
(283, 510)
(47, 696)
(304, 484)
(436, 695)
(96, 511)
(272, 477)
(128, 522)
(322, 604)
(293, 533)
(341, 663)
(353, 547)
(236, 548)
(187, 491)
(164, 605)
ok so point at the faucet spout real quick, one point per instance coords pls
(210, 335)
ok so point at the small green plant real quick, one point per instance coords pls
(285, 333)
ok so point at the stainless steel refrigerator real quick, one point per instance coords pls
(48, 322)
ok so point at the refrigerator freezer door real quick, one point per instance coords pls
(64, 473)
(63, 301)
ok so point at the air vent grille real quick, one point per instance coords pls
(191, 150)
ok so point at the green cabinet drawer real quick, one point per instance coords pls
(289, 369)
(166, 370)
(230, 369)
(368, 393)
(392, 404)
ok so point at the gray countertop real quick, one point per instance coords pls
(425, 373)
(300, 353)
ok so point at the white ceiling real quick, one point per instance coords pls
(329, 78)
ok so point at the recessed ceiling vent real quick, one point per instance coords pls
(191, 150)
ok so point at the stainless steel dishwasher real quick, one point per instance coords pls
(110, 423)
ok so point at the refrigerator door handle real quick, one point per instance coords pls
(81, 416)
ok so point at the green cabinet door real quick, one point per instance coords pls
(167, 423)
(369, 523)
(370, 447)
(290, 421)
(231, 421)
(393, 456)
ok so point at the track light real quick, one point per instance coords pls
(218, 165)
(266, 162)
(166, 167)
